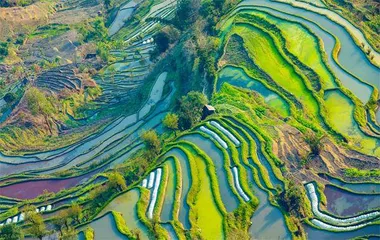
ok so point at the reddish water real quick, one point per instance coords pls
(32, 189)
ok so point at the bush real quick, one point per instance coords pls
(3, 49)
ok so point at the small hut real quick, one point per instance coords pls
(207, 111)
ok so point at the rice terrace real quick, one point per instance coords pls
(189, 119)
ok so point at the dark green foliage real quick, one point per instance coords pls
(291, 199)
(3, 49)
(314, 142)
(190, 109)
(9, 97)
(108, 4)
(165, 37)
(187, 13)
(11, 232)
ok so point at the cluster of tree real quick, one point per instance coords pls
(166, 36)
(34, 222)
(94, 31)
(171, 122)
(190, 109)
(195, 58)
(66, 219)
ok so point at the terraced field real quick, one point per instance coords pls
(292, 151)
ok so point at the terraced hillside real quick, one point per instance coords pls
(257, 120)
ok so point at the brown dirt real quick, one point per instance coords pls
(289, 146)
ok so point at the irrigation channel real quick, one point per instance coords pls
(286, 56)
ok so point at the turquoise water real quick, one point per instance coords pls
(238, 77)
(361, 90)
(167, 208)
(351, 56)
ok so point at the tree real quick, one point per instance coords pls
(75, 212)
(190, 109)
(61, 220)
(69, 234)
(97, 195)
(164, 37)
(11, 232)
(37, 226)
(152, 143)
(171, 121)
(38, 103)
(9, 97)
(117, 181)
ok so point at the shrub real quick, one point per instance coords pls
(11, 232)
(152, 143)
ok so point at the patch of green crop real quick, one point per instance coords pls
(49, 31)
(303, 45)
(266, 55)
(340, 111)
(201, 197)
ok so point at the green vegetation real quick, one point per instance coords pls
(354, 172)
(3, 50)
(152, 143)
(190, 109)
(36, 223)
(39, 103)
(11, 232)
